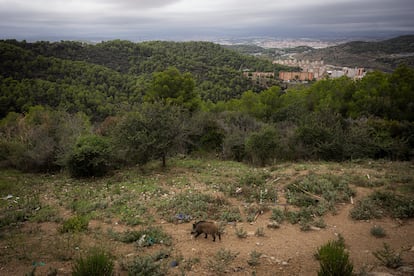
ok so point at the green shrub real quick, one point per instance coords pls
(90, 157)
(259, 232)
(75, 224)
(148, 236)
(321, 136)
(240, 233)
(221, 261)
(277, 215)
(365, 209)
(262, 146)
(97, 263)
(378, 231)
(145, 265)
(231, 214)
(196, 205)
(382, 203)
(388, 257)
(254, 258)
(334, 260)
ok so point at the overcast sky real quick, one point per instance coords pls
(201, 19)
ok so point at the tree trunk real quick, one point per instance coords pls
(164, 161)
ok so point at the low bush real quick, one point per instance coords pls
(145, 265)
(378, 231)
(254, 258)
(241, 233)
(196, 205)
(334, 260)
(389, 257)
(90, 157)
(75, 224)
(382, 203)
(221, 261)
(96, 263)
(146, 237)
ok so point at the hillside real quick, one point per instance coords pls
(383, 55)
(111, 74)
(144, 219)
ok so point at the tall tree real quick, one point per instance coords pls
(157, 131)
(172, 87)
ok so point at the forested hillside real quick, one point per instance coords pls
(93, 108)
(100, 79)
(382, 55)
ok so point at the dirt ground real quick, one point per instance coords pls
(285, 251)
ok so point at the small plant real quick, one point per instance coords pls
(189, 263)
(241, 233)
(378, 231)
(221, 260)
(98, 262)
(254, 258)
(145, 265)
(278, 215)
(75, 224)
(319, 223)
(231, 214)
(333, 259)
(145, 237)
(260, 232)
(305, 225)
(389, 257)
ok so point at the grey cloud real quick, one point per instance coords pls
(130, 19)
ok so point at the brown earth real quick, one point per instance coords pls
(285, 251)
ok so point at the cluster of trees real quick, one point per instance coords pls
(90, 128)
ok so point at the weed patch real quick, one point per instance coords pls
(382, 203)
(74, 224)
(197, 205)
(221, 261)
(145, 237)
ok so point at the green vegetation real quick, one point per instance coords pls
(254, 258)
(75, 224)
(240, 233)
(315, 195)
(334, 259)
(84, 129)
(197, 205)
(380, 55)
(145, 265)
(96, 263)
(389, 257)
(90, 157)
(378, 231)
(221, 261)
(382, 203)
(145, 237)
(162, 100)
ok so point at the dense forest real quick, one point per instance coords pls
(94, 108)
(99, 79)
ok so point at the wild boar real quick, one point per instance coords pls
(206, 227)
